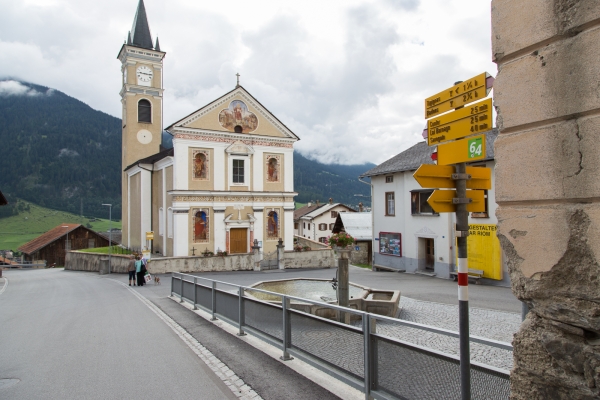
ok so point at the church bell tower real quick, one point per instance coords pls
(141, 100)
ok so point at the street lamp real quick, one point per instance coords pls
(109, 233)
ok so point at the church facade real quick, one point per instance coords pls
(227, 180)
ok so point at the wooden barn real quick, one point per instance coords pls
(53, 245)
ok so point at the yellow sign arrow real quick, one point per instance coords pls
(458, 151)
(440, 176)
(458, 95)
(467, 121)
(441, 201)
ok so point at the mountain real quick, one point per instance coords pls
(57, 151)
(60, 153)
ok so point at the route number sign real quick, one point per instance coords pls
(465, 150)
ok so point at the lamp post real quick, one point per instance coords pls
(109, 233)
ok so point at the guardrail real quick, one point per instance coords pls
(381, 366)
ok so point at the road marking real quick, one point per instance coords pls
(5, 285)
(233, 382)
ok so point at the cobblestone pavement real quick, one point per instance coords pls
(490, 324)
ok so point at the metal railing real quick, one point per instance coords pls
(381, 366)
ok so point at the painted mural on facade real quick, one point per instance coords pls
(273, 225)
(201, 226)
(237, 115)
(273, 168)
(200, 165)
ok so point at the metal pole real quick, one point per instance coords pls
(343, 283)
(370, 355)
(241, 313)
(181, 298)
(462, 230)
(195, 293)
(109, 236)
(172, 282)
(214, 300)
(287, 329)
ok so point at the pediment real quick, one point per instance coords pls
(425, 232)
(236, 112)
(239, 147)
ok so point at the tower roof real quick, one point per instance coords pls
(140, 32)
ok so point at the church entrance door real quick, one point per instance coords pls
(238, 240)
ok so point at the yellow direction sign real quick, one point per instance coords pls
(467, 121)
(458, 95)
(150, 235)
(440, 176)
(442, 201)
(458, 151)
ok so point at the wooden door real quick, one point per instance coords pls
(429, 254)
(238, 240)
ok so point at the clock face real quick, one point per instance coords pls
(144, 136)
(144, 75)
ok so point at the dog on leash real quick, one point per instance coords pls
(156, 280)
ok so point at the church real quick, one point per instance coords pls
(227, 180)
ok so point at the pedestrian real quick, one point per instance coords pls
(139, 269)
(131, 270)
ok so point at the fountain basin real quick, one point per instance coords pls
(382, 302)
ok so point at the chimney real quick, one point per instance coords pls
(309, 203)
(360, 207)
(330, 200)
(317, 202)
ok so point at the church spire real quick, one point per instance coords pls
(157, 46)
(141, 30)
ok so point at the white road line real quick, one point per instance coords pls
(5, 285)
(233, 382)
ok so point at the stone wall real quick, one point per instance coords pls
(547, 98)
(77, 261)
(313, 244)
(360, 256)
(324, 258)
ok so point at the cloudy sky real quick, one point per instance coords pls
(349, 77)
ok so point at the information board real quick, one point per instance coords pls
(390, 243)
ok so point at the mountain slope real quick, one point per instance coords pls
(57, 151)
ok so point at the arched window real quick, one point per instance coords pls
(144, 111)
(238, 129)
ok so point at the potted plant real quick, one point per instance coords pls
(340, 240)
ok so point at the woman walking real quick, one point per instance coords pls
(139, 271)
(131, 270)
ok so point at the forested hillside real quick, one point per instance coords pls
(58, 152)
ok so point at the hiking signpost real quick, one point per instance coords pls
(458, 138)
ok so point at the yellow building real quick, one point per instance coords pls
(227, 180)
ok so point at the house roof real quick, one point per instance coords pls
(153, 158)
(323, 209)
(48, 237)
(305, 210)
(420, 153)
(359, 225)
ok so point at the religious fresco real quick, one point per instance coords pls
(237, 115)
(273, 168)
(200, 159)
(273, 225)
(201, 226)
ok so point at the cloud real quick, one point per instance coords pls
(14, 88)
(67, 153)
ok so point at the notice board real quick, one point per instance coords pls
(484, 252)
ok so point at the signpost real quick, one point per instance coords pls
(470, 149)
(443, 201)
(458, 95)
(443, 176)
(461, 124)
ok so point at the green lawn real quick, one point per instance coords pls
(20, 229)
(104, 250)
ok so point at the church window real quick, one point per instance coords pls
(144, 111)
(238, 171)
(273, 225)
(238, 129)
(200, 167)
(201, 226)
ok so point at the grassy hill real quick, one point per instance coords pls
(33, 220)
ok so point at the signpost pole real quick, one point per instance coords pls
(462, 230)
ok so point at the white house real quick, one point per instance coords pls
(408, 235)
(317, 223)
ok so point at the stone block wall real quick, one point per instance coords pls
(76, 261)
(547, 98)
(323, 258)
(313, 244)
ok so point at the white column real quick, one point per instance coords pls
(289, 229)
(180, 166)
(219, 168)
(145, 204)
(180, 232)
(258, 170)
(219, 224)
(259, 224)
(288, 182)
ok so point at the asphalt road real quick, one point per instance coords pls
(70, 335)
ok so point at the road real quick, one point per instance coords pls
(67, 335)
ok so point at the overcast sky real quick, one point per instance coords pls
(349, 77)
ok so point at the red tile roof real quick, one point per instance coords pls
(48, 237)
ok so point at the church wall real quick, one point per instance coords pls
(211, 119)
(135, 217)
(207, 179)
(157, 203)
(168, 180)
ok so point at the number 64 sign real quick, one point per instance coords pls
(464, 150)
